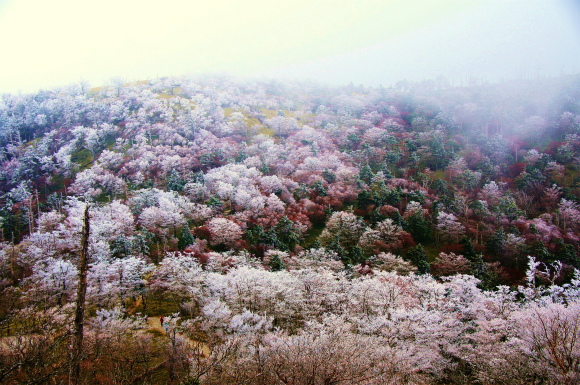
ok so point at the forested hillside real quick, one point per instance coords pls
(303, 234)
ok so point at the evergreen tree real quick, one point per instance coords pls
(376, 216)
(120, 247)
(287, 235)
(418, 227)
(540, 252)
(495, 244)
(328, 176)
(185, 238)
(336, 247)
(364, 199)
(174, 181)
(276, 264)
(356, 255)
(468, 250)
(214, 201)
(477, 266)
(256, 234)
(419, 257)
(440, 186)
(318, 188)
(479, 269)
(140, 243)
(196, 177)
(242, 155)
(566, 253)
(366, 174)
(385, 169)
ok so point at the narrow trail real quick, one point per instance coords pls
(200, 347)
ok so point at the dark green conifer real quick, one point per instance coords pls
(185, 238)
(418, 256)
(276, 264)
(366, 174)
(174, 181)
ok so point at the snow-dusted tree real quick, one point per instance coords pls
(197, 192)
(550, 336)
(449, 264)
(491, 193)
(180, 276)
(344, 225)
(112, 220)
(391, 262)
(282, 125)
(53, 281)
(568, 213)
(164, 218)
(457, 167)
(224, 232)
(127, 276)
(533, 156)
(315, 260)
(413, 208)
(386, 236)
(449, 228)
(329, 353)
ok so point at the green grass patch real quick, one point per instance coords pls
(432, 250)
(94, 92)
(83, 158)
(110, 141)
(165, 96)
(439, 174)
(58, 183)
(313, 235)
(305, 118)
(251, 121)
(266, 131)
(269, 113)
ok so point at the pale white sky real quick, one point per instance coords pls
(46, 43)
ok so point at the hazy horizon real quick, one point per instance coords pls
(370, 42)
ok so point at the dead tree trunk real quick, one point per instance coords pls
(77, 342)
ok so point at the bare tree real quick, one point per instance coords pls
(77, 343)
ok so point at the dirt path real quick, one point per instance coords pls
(154, 323)
(200, 347)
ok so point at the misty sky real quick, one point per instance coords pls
(48, 43)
